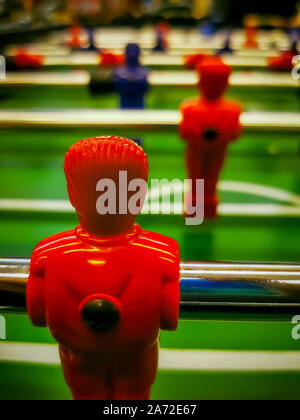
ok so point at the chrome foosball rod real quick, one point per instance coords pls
(160, 78)
(137, 119)
(208, 290)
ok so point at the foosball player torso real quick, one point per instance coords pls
(132, 80)
(208, 125)
(106, 288)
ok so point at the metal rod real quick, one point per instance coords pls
(177, 49)
(243, 58)
(145, 119)
(158, 60)
(156, 78)
(178, 38)
(208, 290)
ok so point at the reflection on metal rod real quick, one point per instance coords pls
(140, 119)
(156, 78)
(223, 291)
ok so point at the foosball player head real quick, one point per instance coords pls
(114, 152)
(132, 55)
(214, 78)
(102, 82)
(208, 28)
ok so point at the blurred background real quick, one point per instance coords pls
(103, 12)
(69, 76)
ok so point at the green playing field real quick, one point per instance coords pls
(31, 168)
(159, 97)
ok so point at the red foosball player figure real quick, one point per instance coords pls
(75, 38)
(285, 61)
(251, 33)
(191, 61)
(106, 288)
(108, 59)
(208, 125)
(25, 60)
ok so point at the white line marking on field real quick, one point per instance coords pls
(179, 360)
(50, 206)
(240, 187)
(157, 193)
(260, 190)
(202, 360)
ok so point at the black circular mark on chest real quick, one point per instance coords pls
(100, 315)
(210, 134)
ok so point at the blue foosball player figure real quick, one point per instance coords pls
(226, 49)
(91, 40)
(162, 44)
(209, 27)
(132, 80)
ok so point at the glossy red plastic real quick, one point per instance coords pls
(251, 33)
(191, 61)
(208, 125)
(282, 63)
(112, 258)
(109, 59)
(75, 37)
(24, 59)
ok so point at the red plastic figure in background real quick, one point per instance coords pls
(105, 288)
(108, 59)
(26, 60)
(75, 37)
(285, 61)
(192, 61)
(251, 33)
(208, 125)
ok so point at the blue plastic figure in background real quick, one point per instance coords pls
(208, 28)
(132, 80)
(227, 49)
(160, 45)
(294, 36)
(91, 40)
